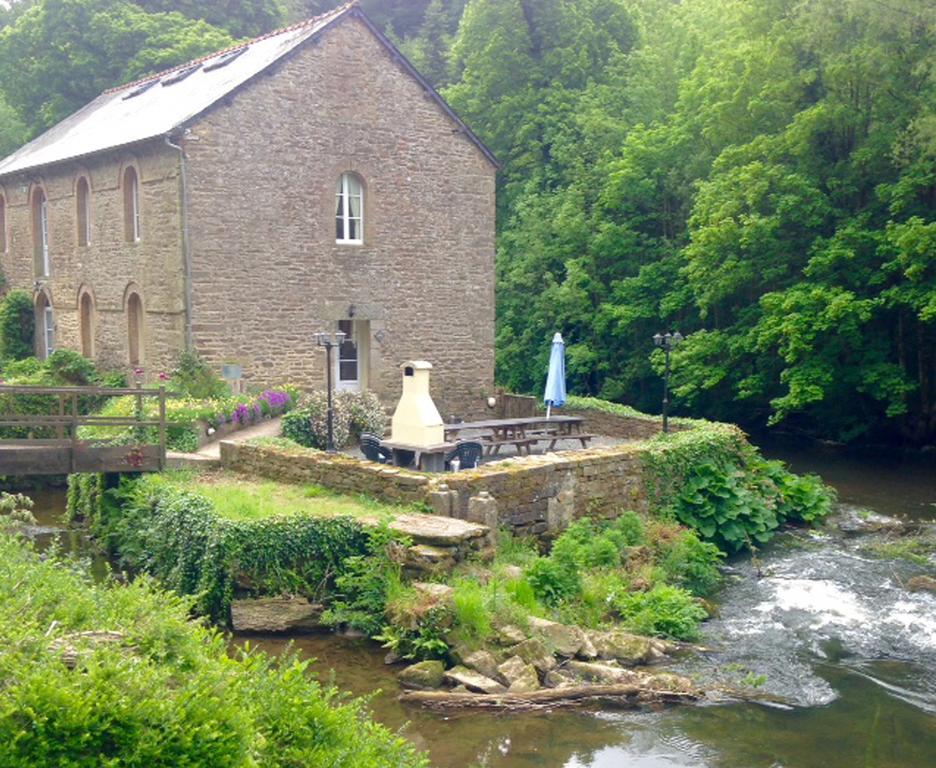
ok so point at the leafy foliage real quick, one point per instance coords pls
(664, 610)
(163, 675)
(353, 413)
(17, 326)
(176, 536)
(194, 378)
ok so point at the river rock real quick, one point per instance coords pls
(854, 520)
(623, 646)
(483, 662)
(510, 635)
(275, 614)
(560, 678)
(428, 558)
(567, 641)
(438, 594)
(922, 584)
(520, 676)
(424, 675)
(588, 650)
(534, 652)
(473, 681)
(605, 674)
(668, 681)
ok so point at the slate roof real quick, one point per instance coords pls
(161, 104)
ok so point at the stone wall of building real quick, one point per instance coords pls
(263, 170)
(109, 265)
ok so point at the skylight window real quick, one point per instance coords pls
(141, 88)
(224, 59)
(177, 77)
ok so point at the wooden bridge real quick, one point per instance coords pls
(48, 443)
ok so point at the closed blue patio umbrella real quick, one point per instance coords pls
(555, 394)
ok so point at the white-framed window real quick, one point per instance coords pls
(40, 211)
(83, 204)
(49, 326)
(349, 211)
(131, 205)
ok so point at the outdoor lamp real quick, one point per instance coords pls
(329, 341)
(666, 342)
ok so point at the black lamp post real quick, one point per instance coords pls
(329, 341)
(666, 342)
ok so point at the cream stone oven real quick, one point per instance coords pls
(416, 421)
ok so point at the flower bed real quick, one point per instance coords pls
(192, 422)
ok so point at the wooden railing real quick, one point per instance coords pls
(63, 451)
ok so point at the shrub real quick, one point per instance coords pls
(167, 694)
(692, 564)
(17, 326)
(553, 581)
(363, 589)
(176, 536)
(194, 378)
(67, 367)
(308, 424)
(365, 413)
(664, 611)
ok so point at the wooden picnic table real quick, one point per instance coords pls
(522, 433)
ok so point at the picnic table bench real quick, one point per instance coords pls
(522, 432)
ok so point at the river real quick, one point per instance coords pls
(815, 621)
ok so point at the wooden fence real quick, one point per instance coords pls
(50, 444)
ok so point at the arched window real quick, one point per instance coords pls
(86, 323)
(83, 202)
(349, 214)
(45, 327)
(135, 328)
(131, 199)
(40, 217)
(3, 235)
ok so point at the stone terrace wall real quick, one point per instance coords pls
(336, 471)
(534, 495)
(537, 495)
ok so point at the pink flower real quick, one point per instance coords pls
(163, 376)
(138, 372)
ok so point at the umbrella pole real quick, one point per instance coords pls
(548, 407)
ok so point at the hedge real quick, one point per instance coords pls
(174, 535)
(104, 675)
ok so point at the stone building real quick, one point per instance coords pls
(308, 180)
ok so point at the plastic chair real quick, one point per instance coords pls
(370, 447)
(468, 454)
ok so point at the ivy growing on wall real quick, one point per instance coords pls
(175, 536)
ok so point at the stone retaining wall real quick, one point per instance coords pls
(531, 495)
(341, 473)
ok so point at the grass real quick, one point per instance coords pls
(236, 498)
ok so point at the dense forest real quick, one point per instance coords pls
(760, 176)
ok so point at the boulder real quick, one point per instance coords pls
(668, 681)
(560, 678)
(853, 520)
(567, 641)
(275, 614)
(510, 635)
(588, 650)
(483, 662)
(605, 674)
(922, 584)
(427, 558)
(520, 676)
(439, 594)
(623, 646)
(424, 675)
(513, 572)
(532, 651)
(473, 681)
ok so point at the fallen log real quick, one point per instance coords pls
(620, 694)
